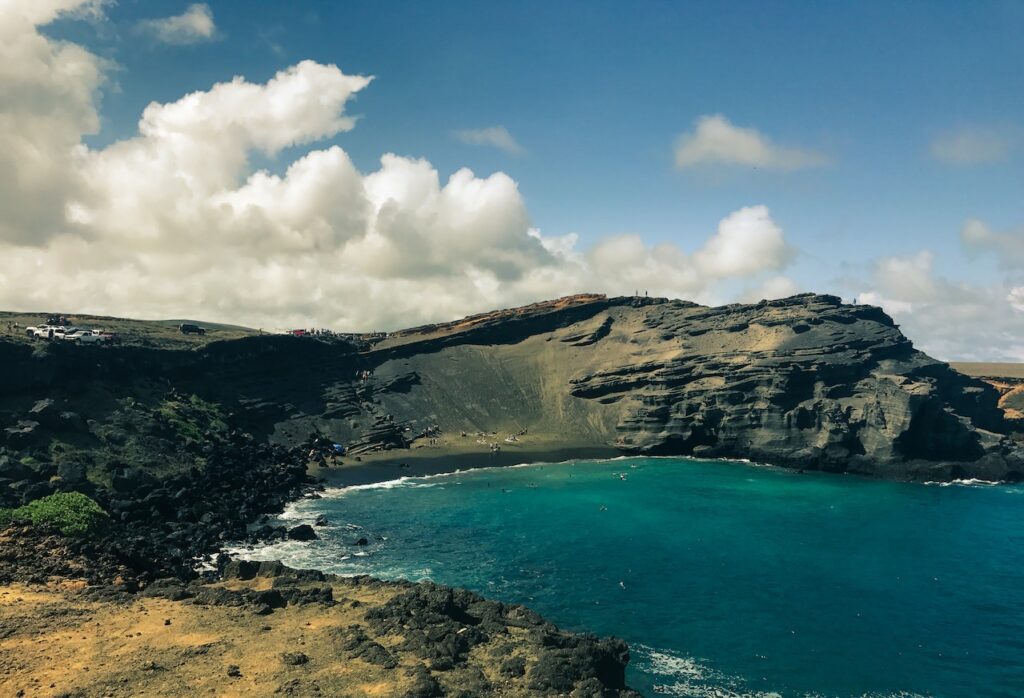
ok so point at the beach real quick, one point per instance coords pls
(454, 453)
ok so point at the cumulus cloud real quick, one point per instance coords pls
(47, 103)
(972, 146)
(1008, 246)
(716, 141)
(494, 136)
(190, 27)
(175, 221)
(951, 321)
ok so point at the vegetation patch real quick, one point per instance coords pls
(192, 417)
(72, 513)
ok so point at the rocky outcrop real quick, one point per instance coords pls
(310, 634)
(805, 382)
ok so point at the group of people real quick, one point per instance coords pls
(13, 327)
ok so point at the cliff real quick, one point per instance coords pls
(804, 382)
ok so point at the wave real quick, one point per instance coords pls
(966, 482)
(680, 675)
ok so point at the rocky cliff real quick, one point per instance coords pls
(804, 382)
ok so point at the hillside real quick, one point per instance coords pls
(802, 382)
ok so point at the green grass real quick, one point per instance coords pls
(149, 333)
(72, 513)
(192, 417)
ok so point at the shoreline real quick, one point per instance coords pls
(447, 458)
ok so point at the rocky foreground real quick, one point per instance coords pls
(269, 630)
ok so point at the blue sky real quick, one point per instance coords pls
(597, 92)
(597, 95)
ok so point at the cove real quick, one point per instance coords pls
(725, 578)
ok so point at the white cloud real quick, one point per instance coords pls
(495, 136)
(972, 146)
(176, 222)
(716, 141)
(47, 103)
(192, 26)
(950, 321)
(773, 287)
(1008, 246)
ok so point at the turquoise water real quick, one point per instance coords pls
(726, 579)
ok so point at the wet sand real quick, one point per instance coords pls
(456, 453)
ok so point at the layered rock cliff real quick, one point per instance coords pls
(803, 382)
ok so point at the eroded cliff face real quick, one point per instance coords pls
(803, 382)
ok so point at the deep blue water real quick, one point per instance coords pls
(725, 578)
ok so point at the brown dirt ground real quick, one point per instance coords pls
(55, 643)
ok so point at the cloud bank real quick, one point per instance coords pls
(176, 221)
(960, 321)
(716, 141)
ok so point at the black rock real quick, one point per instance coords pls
(422, 684)
(302, 532)
(131, 480)
(72, 421)
(36, 490)
(241, 569)
(71, 473)
(45, 412)
(14, 470)
(24, 433)
(294, 658)
(321, 520)
(513, 667)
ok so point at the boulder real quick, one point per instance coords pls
(241, 569)
(12, 469)
(71, 473)
(131, 480)
(294, 658)
(45, 412)
(24, 433)
(302, 532)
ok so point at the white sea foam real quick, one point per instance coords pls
(967, 482)
(686, 676)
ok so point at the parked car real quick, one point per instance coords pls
(85, 337)
(188, 328)
(48, 332)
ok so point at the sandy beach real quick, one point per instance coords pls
(452, 453)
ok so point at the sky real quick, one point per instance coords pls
(376, 165)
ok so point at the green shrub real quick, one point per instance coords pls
(192, 417)
(72, 513)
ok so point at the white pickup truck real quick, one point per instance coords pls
(84, 337)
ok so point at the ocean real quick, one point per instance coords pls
(727, 579)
